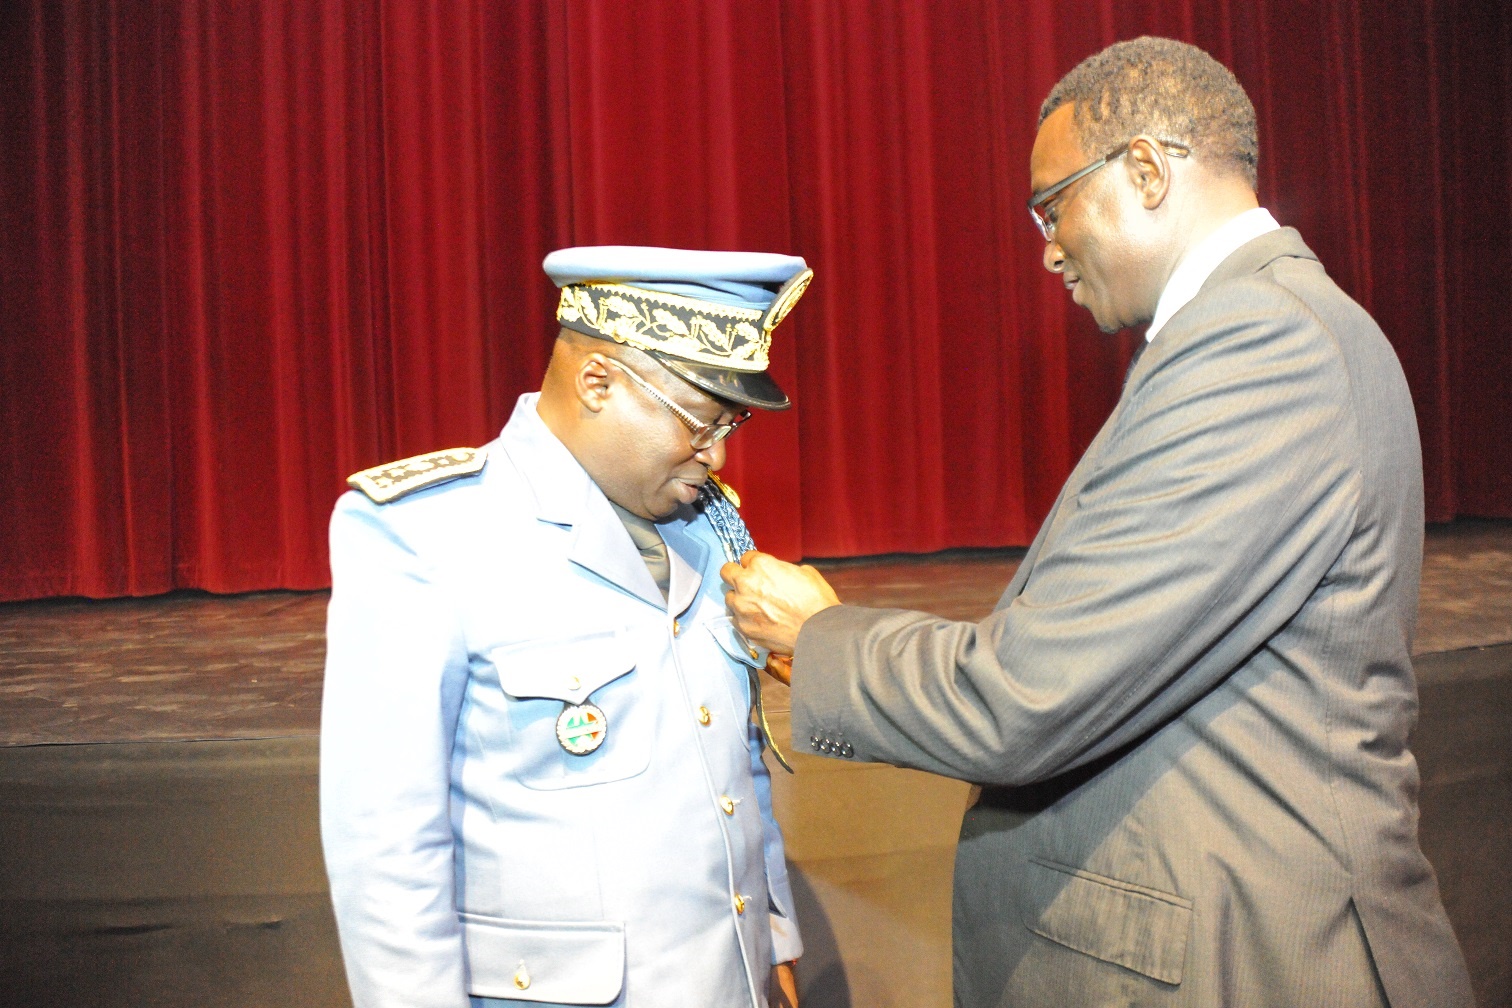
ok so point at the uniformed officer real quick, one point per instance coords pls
(540, 781)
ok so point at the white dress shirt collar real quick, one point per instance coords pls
(1199, 263)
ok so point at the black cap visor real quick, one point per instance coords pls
(755, 389)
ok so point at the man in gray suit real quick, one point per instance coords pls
(1190, 710)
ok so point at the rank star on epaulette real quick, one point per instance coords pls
(393, 480)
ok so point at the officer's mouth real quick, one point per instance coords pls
(687, 488)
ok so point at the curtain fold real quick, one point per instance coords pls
(250, 248)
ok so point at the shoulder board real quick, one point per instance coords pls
(393, 480)
(725, 488)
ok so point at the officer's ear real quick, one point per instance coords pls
(591, 382)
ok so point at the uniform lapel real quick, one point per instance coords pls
(685, 557)
(566, 496)
(601, 544)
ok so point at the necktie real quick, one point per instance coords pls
(649, 543)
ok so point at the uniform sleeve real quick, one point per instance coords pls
(1215, 504)
(787, 945)
(395, 671)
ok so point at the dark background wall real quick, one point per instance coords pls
(248, 248)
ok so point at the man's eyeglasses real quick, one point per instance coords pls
(1040, 199)
(702, 435)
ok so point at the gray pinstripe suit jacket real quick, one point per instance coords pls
(1192, 705)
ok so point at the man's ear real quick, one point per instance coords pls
(591, 382)
(1149, 168)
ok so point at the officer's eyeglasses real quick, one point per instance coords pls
(702, 435)
(1038, 201)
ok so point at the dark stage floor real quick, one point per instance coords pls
(142, 867)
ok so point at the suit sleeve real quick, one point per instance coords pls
(395, 671)
(1209, 510)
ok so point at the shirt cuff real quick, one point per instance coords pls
(786, 945)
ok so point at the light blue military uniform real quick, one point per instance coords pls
(474, 860)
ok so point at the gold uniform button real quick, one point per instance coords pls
(739, 903)
(704, 717)
(574, 683)
(754, 652)
(728, 804)
(522, 977)
(676, 628)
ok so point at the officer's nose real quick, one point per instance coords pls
(1054, 258)
(712, 456)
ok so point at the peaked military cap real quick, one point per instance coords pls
(705, 316)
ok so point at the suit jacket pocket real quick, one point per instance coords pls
(1119, 922)
(567, 962)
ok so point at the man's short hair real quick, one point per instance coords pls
(1168, 89)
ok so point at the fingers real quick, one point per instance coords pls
(780, 667)
(731, 573)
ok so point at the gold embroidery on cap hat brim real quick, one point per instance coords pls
(703, 331)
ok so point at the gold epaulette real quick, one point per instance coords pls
(392, 480)
(726, 489)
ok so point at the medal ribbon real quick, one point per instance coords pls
(736, 540)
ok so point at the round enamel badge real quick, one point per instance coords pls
(581, 728)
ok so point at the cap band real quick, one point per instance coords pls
(690, 328)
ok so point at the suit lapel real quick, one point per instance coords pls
(1250, 257)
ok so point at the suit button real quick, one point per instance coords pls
(704, 717)
(754, 652)
(676, 628)
(814, 742)
(847, 751)
(825, 746)
(739, 903)
(728, 804)
(522, 977)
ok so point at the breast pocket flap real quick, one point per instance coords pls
(1143, 929)
(734, 643)
(559, 962)
(563, 668)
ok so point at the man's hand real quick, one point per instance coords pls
(782, 989)
(773, 599)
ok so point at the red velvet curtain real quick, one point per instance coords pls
(249, 248)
